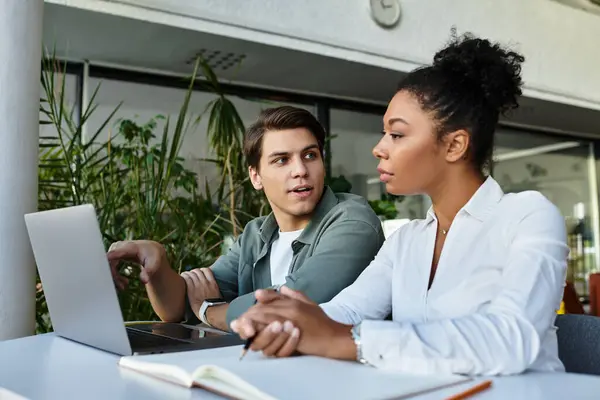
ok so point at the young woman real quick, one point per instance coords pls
(474, 287)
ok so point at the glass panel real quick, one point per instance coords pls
(355, 135)
(560, 170)
(141, 102)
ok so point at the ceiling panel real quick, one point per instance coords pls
(102, 38)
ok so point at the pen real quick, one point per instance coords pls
(251, 339)
(247, 346)
(248, 342)
(470, 392)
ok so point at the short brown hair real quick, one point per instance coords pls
(278, 119)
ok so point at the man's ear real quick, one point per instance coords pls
(457, 145)
(255, 178)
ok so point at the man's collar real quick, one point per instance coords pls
(481, 203)
(268, 228)
(327, 202)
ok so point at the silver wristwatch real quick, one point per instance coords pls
(208, 303)
(357, 341)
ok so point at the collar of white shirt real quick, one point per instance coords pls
(481, 204)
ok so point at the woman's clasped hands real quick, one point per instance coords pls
(287, 322)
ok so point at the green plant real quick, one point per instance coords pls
(385, 207)
(339, 184)
(225, 135)
(138, 184)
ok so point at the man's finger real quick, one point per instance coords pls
(118, 283)
(121, 282)
(208, 275)
(113, 271)
(112, 260)
(113, 267)
(145, 275)
(194, 279)
(199, 277)
(114, 245)
(124, 251)
(189, 284)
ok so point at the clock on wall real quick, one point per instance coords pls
(386, 12)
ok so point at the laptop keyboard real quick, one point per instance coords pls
(141, 340)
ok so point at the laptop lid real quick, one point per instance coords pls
(76, 278)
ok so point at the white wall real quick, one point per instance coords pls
(558, 41)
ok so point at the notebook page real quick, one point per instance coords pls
(166, 371)
(6, 394)
(306, 377)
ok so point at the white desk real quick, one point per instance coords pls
(49, 367)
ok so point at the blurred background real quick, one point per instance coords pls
(144, 103)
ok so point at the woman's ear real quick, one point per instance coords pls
(457, 145)
(255, 178)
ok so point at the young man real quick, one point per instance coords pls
(315, 241)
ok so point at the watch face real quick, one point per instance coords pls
(215, 300)
(212, 302)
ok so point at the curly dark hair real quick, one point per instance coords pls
(471, 82)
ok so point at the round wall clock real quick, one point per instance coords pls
(386, 12)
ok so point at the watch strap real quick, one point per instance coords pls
(358, 342)
(202, 313)
(204, 307)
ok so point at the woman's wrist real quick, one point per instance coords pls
(342, 346)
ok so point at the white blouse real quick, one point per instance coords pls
(492, 305)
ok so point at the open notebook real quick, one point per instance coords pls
(259, 378)
(6, 394)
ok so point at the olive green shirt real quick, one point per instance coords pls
(340, 241)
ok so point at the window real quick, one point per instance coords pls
(70, 99)
(141, 102)
(354, 136)
(563, 171)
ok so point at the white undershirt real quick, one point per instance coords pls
(281, 256)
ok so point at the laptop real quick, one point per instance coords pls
(82, 297)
